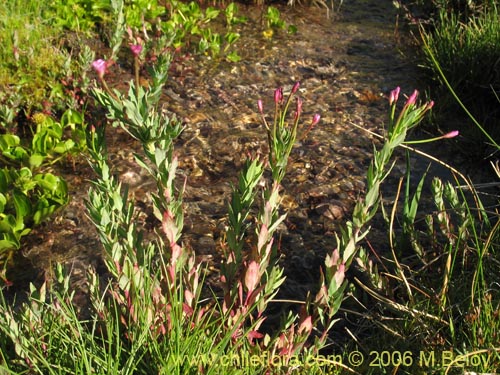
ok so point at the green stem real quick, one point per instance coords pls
(137, 81)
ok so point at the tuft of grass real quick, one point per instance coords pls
(465, 51)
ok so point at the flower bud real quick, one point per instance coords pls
(316, 119)
(136, 49)
(393, 98)
(100, 67)
(451, 134)
(295, 87)
(260, 106)
(278, 95)
(412, 99)
(298, 110)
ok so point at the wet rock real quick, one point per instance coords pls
(333, 210)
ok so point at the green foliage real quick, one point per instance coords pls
(138, 11)
(40, 67)
(77, 15)
(28, 193)
(462, 52)
(447, 276)
(188, 25)
(274, 20)
(26, 200)
(26, 42)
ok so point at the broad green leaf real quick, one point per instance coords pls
(36, 160)
(48, 181)
(42, 212)
(8, 141)
(211, 13)
(22, 204)
(7, 223)
(233, 56)
(63, 147)
(71, 118)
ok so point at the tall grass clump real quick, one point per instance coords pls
(465, 50)
(436, 288)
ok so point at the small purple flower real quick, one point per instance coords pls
(295, 87)
(278, 95)
(100, 67)
(412, 99)
(136, 49)
(316, 119)
(451, 134)
(394, 95)
(260, 106)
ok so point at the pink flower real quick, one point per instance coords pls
(100, 67)
(429, 105)
(278, 95)
(260, 106)
(316, 119)
(394, 95)
(136, 49)
(451, 134)
(412, 99)
(295, 87)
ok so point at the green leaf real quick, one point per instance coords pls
(7, 223)
(43, 209)
(71, 118)
(211, 13)
(8, 141)
(3, 202)
(36, 160)
(5, 180)
(64, 147)
(7, 244)
(22, 204)
(233, 57)
(48, 181)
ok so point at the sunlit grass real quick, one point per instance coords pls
(32, 57)
(462, 52)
